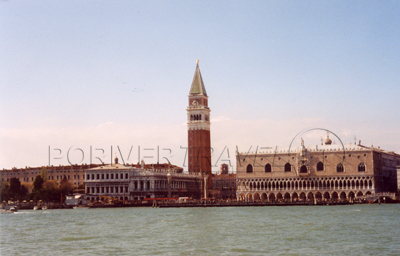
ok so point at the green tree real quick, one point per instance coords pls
(38, 183)
(51, 192)
(27, 185)
(66, 187)
(50, 185)
(44, 174)
(5, 193)
(23, 193)
(15, 188)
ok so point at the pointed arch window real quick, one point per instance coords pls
(303, 169)
(268, 168)
(249, 168)
(320, 167)
(361, 167)
(339, 168)
(288, 167)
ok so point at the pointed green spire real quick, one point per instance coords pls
(197, 84)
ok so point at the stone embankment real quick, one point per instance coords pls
(205, 203)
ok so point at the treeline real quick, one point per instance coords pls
(45, 190)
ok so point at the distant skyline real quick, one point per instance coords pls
(96, 74)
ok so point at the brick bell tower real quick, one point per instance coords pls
(198, 116)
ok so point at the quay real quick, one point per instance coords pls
(187, 202)
(179, 205)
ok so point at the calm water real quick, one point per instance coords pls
(291, 230)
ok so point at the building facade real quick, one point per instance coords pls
(324, 173)
(223, 184)
(73, 173)
(140, 181)
(198, 120)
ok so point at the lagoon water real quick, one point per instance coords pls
(283, 230)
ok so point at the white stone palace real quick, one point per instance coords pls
(320, 173)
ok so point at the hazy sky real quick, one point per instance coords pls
(80, 77)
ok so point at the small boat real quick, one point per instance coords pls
(44, 208)
(11, 209)
(80, 207)
(37, 208)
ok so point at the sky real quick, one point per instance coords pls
(84, 81)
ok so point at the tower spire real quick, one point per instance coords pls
(197, 83)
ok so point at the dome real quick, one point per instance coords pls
(328, 141)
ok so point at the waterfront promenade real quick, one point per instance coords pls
(210, 203)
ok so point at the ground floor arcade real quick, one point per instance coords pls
(302, 189)
(301, 196)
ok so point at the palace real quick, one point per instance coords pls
(140, 181)
(326, 172)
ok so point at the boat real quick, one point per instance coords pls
(5, 210)
(8, 209)
(37, 208)
(81, 207)
(74, 199)
(44, 208)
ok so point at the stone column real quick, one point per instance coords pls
(205, 185)
(169, 184)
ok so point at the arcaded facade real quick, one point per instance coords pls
(324, 173)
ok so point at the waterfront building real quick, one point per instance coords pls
(140, 181)
(223, 184)
(73, 173)
(198, 120)
(323, 173)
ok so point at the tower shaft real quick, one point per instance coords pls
(198, 120)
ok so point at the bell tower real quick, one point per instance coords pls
(198, 120)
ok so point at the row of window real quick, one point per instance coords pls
(20, 173)
(107, 190)
(49, 178)
(195, 117)
(198, 117)
(107, 176)
(61, 177)
(32, 173)
(303, 169)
